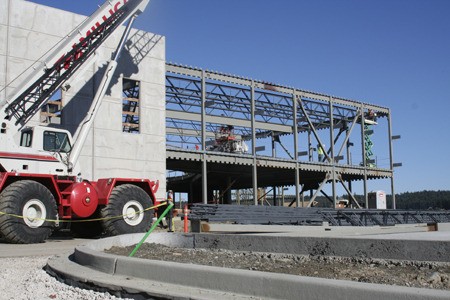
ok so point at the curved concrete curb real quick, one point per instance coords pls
(141, 279)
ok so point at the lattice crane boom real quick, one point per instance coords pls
(67, 58)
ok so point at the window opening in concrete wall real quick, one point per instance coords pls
(130, 106)
(51, 111)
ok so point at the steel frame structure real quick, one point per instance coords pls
(198, 101)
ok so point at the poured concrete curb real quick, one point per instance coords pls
(132, 276)
(345, 246)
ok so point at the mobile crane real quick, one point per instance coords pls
(40, 177)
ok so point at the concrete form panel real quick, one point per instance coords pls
(152, 71)
(109, 116)
(142, 45)
(115, 88)
(3, 39)
(75, 111)
(38, 18)
(113, 40)
(132, 168)
(2, 77)
(4, 8)
(81, 85)
(120, 145)
(153, 122)
(18, 70)
(153, 96)
(30, 45)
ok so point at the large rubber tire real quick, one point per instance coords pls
(27, 198)
(130, 200)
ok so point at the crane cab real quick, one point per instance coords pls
(38, 149)
(46, 139)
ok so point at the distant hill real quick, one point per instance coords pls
(422, 200)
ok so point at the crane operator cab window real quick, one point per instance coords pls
(56, 142)
(26, 138)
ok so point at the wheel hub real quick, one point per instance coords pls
(34, 213)
(133, 212)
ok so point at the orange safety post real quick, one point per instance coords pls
(185, 218)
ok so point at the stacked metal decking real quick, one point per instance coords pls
(241, 214)
(382, 217)
(246, 214)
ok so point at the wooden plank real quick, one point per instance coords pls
(55, 102)
(131, 99)
(130, 113)
(47, 114)
(130, 125)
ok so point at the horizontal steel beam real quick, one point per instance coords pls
(227, 121)
(211, 75)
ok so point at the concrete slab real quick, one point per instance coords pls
(52, 246)
(316, 231)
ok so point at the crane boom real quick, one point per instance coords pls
(67, 58)
(83, 130)
(38, 163)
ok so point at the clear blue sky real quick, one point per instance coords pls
(393, 53)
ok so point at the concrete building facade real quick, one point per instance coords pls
(28, 31)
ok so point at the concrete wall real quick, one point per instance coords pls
(28, 31)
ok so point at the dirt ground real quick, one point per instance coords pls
(404, 273)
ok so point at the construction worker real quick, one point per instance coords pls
(169, 216)
(320, 153)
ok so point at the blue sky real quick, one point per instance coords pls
(392, 53)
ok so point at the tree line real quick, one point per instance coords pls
(422, 200)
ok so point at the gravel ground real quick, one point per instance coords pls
(24, 279)
(406, 273)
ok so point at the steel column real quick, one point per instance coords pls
(204, 163)
(332, 161)
(364, 156)
(297, 172)
(391, 159)
(253, 121)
